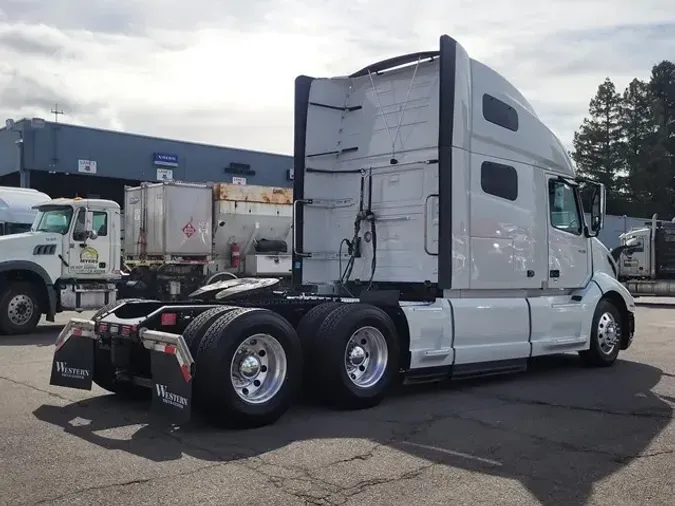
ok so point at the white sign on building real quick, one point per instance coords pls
(86, 166)
(238, 180)
(164, 175)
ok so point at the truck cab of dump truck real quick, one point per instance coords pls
(69, 260)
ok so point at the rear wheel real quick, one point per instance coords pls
(194, 332)
(307, 329)
(355, 356)
(19, 308)
(249, 366)
(606, 333)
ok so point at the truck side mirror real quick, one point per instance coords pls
(598, 204)
(89, 226)
(632, 242)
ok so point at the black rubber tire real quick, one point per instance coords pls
(312, 320)
(327, 368)
(307, 329)
(595, 356)
(194, 332)
(13, 289)
(213, 389)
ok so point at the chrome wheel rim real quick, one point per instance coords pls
(366, 357)
(258, 368)
(20, 310)
(609, 333)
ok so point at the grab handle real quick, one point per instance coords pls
(426, 224)
(296, 203)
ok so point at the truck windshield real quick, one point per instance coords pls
(55, 220)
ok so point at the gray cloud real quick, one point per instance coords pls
(28, 93)
(25, 43)
(103, 16)
(221, 71)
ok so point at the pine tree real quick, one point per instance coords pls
(638, 127)
(599, 147)
(662, 159)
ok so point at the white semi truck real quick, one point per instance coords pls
(645, 259)
(438, 233)
(16, 208)
(178, 238)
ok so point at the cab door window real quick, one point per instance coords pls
(79, 232)
(99, 224)
(564, 207)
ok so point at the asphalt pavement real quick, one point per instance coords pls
(558, 434)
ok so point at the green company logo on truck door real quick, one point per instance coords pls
(89, 256)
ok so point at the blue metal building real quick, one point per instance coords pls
(67, 160)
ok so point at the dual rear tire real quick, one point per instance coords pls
(249, 365)
(251, 362)
(351, 354)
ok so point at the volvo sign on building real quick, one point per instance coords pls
(165, 159)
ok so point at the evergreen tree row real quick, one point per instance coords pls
(627, 142)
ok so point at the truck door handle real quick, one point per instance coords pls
(554, 273)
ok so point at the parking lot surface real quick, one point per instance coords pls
(559, 434)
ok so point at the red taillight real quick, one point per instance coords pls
(169, 319)
(103, 327)
(127, 329)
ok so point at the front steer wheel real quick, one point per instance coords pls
(19, 309)
(249, 367)
(355, 356)
(606, 335)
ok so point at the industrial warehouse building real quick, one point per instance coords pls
(66, 160)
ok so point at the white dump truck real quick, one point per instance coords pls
(438, 233)
(645, 259)
(178, 238)
(16, 208)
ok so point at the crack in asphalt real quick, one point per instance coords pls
(126, 483)
(572, 407)
(37, 389)
(325, 493)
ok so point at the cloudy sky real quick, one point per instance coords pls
(222, 71)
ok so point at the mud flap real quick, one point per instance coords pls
(73, 362)
(172, 368)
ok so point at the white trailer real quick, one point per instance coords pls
(438, 233)
(16, 208)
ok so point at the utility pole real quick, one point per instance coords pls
(56, 113)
